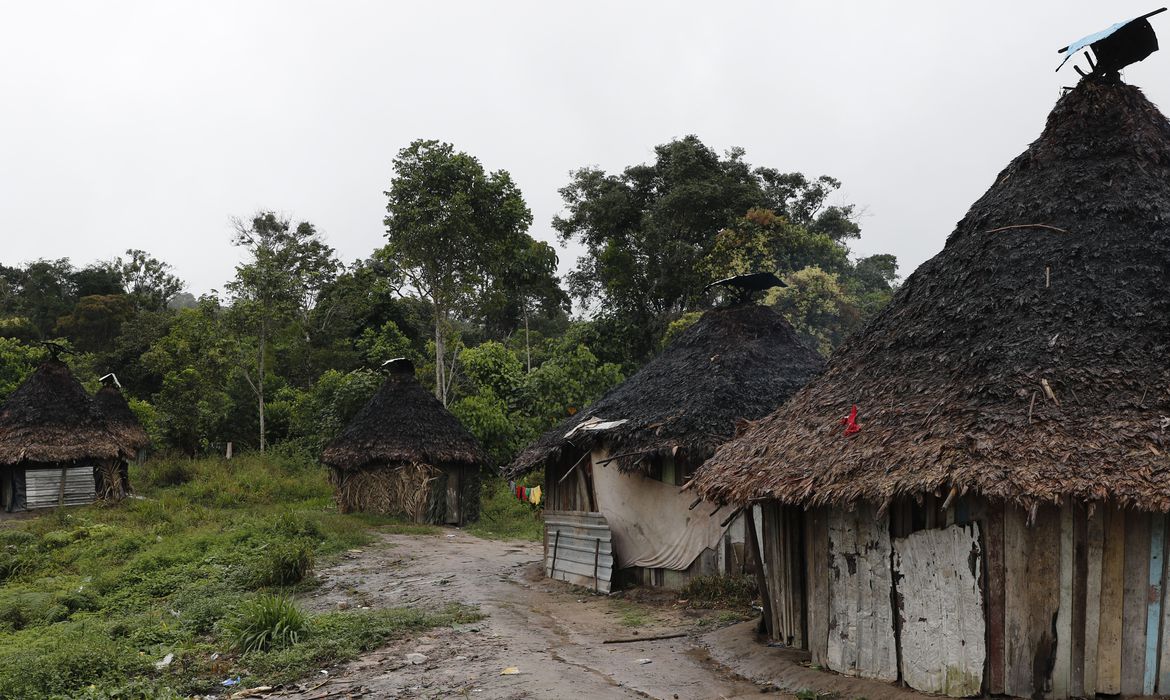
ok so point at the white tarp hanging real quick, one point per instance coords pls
(650, 521)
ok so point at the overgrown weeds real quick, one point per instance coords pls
(720, 591)
(92, 598)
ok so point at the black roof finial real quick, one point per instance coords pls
(1116, 47)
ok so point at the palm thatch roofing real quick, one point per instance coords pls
(734, 363)
(402, 423)
(51, 419)
(120, 420)
(1027, 361)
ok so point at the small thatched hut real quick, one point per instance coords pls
(55, 449)
(405, 454)
(124, 426)
(998, 522)
(614, 472)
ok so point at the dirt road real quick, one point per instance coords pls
(549, 634)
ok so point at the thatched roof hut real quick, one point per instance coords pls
(50, 419)
(403, 422)
(1027, 361)
(120, 420)
(403, 443)
(734, 363)
(994, 519)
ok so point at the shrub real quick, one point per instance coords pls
(168, 472)
(265, 623)
(283, 563)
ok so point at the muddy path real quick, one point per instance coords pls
(549, 633)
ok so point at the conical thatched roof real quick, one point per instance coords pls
(50, 418)
(402, 423)
(120, 420)
(733, 363)
(950, 379)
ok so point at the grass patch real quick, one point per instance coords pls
(720, 591)
(632, 615)
(504, 517)
(91, 598)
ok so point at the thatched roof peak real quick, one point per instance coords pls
(403, 422)
(1027, 361)
(51, 419)
(120, 420)
(738, 362)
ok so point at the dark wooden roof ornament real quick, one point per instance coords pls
(1116, 47)
(744, 287)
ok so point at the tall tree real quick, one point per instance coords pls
(652, 233)
(148, 280)
(286, 269)
(452, 228)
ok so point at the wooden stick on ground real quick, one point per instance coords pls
(652, 638)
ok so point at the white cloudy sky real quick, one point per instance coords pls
(151, 124)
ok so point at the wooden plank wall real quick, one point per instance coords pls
(816, 537)
(940, 607)
(861, 621)
(783, 552)
(1084, 607)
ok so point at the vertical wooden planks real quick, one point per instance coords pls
(1031, 599)
(1094, 555)
(1062, 667)
(817, 590)
(993, 544)
(941, 610)
(1164, 653)
(1079, 596)
(750, 515)
(861, 626)
(1136, 583)
(1112, 602)
(1154, 602)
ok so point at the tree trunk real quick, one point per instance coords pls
(260, 385)
(527, 347)
(440, 357)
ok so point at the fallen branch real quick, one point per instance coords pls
(1017, 226)
(645, 639)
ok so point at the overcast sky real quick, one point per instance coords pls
(151, 124)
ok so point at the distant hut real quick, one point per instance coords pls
(405, 454)
(614, 472)
(124, 426)
(993, 520)
(54, 444)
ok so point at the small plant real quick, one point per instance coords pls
(284, 563)
(265, 623)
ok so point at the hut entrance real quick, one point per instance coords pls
(777, 533)
(453, 510)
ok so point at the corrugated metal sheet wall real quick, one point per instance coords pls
(43, 486)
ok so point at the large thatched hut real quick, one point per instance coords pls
(997, 524)
(614, 472)
(55, 449)
(405, 454)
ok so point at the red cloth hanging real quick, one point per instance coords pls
(520, 493)
(850, 422)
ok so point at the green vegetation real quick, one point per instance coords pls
(720, 591)
(202, 569)
(289, 352)
(505, 517)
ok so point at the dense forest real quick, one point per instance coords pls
(290, 348)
